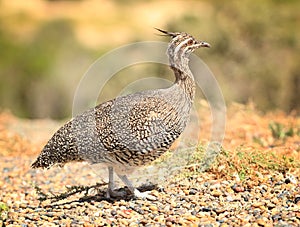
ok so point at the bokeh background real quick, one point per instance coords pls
(47, 46)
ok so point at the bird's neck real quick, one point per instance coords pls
(183, 75)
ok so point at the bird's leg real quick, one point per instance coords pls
(134, 191)
(111, 185)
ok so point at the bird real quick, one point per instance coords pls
(131, 130)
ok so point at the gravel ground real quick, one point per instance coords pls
(243, 188)
(190, 200)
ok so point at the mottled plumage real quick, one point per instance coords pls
(130, 130)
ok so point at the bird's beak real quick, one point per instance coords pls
(204, 44)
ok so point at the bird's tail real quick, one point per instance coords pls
(45, 160)
(59, 150)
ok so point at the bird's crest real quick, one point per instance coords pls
(166, 33)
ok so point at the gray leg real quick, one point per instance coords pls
(134, 191)
(111, 185)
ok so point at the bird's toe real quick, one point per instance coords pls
(116, 193)
(144, 195)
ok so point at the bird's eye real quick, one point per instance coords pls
(190, 42)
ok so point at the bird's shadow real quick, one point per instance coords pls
(60, 199)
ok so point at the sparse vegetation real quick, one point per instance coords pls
(247, 163)
(244, 163)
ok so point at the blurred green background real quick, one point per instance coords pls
(47, 46)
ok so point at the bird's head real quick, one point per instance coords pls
(183, 43)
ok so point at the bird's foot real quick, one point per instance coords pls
(115, 193)
(144, 195)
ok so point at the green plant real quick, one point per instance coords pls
(279, 132)
(3, 212)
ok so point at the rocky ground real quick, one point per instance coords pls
(255, 181)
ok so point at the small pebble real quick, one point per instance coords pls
(238, 188)
(192, 191)
(113, 212)
(216, 193)
(257, 204)
(153, 208)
